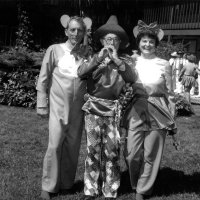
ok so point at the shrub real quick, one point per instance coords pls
(19, 69)
(18, 88)
(20, 58)
(165, 49)
(183, 107)
(15, 58)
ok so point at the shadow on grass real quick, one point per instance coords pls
(125, 185)
(170, 181)
(77, 188)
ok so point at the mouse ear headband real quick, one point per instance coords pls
(65, 20)
(152, 28)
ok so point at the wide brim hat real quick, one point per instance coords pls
(152, 28)
(180, 52)
(112, 26)
(174, 54)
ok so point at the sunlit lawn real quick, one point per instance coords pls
(23, 142)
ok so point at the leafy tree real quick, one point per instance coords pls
(24, 32)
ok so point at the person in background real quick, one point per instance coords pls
(194, 89)
(106, 72)
(177, 61)
(58, 81)
(151, 113)
(188, 75)
(198, 80)
(173, 64)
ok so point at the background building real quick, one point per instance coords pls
(180, 19)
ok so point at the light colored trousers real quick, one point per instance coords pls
(61, 159)
(145, 151)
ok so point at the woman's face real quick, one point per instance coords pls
(147, 46)
(75, 32)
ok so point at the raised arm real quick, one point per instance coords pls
(88, 66)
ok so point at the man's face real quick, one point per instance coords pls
(75, 32)
(111, 39)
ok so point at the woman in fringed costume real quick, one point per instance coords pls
(151, 113)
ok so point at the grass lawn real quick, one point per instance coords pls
(23, 142)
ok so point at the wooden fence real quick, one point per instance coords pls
(185, 15)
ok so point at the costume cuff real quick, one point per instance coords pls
(41, 99)
(122, 67)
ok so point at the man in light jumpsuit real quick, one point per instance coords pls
(58, 81)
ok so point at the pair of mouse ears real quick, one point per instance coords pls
(152, 28)
(65, 19)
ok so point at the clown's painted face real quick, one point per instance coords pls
(147, 45)
(75, 32)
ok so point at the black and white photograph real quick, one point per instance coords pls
(99, 99)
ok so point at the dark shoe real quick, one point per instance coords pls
(87, 197)
(139, 196)
(45, 195)
(67, 191)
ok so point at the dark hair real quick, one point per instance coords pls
(192, 58)
(149, 34)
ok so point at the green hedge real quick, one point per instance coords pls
(18, 88)
(165, 49)
(19, 69)
(13, 59)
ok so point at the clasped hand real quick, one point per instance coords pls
(108, 51)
